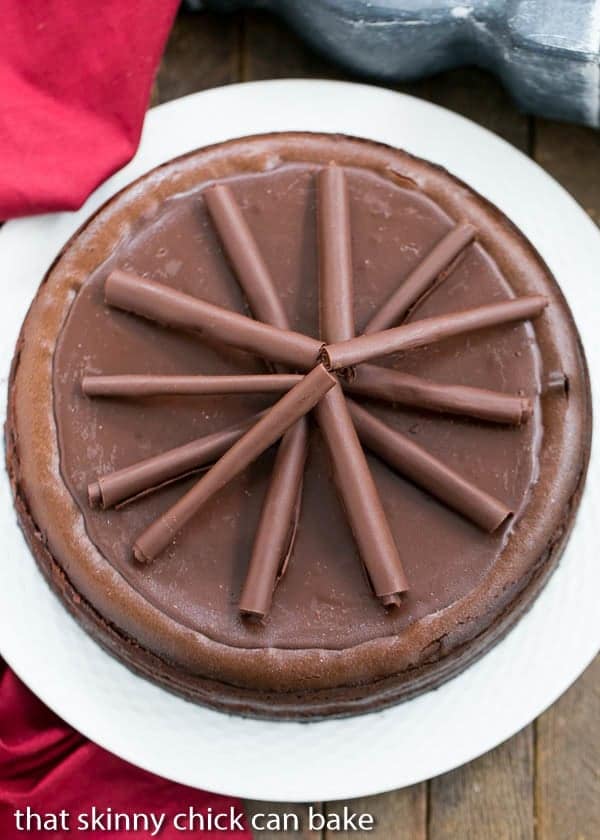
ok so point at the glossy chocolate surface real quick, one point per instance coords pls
(324, 599)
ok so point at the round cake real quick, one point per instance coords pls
(298, 425)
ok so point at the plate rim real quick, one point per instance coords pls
(12, 230)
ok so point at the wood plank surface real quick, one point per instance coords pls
(401, 815)
(491, 797)
(202, 52)
(571, 153)
(271, 51)
(567, 772)
(544, 784)
(264, 809)
(567, 779)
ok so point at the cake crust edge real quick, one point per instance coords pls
(313, 683)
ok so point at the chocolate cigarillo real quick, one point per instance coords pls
(361, 500)
(118, 486)
(276, 529)
(244, 255)
(428, 472)
(421, 278)
(336, 293)
(353, 478)
(148, 385)
(278, 522)
(165, 305)
(391, 385)
(363, 348)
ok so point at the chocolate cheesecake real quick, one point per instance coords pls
(298, 425)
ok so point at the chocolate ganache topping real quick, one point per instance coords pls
(321, 375)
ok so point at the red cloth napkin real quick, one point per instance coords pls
(46, 765)
(75, 80)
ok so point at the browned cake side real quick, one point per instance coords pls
(327, 646)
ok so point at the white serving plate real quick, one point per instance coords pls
(335, 759)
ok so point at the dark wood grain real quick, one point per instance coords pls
(544, 784)
(401, 815)
(296, 810)
(202, 52)
(272, 51)
(571, 154)
(489, 799)
(567, 779)
(567, 763)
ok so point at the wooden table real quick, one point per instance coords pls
(544, 783)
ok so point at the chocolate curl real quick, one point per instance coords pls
(281, 506)
(160, 303)
(345, 354)
(132, 385)
(557, 380)
(123, 485)
(353, 477)
(414, 462)
(393, 386)
(278, 522)
(421, 278)
(336, 292)
(244, 256)
(361, 500)
(293, 405)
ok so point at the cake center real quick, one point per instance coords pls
(324, 599)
